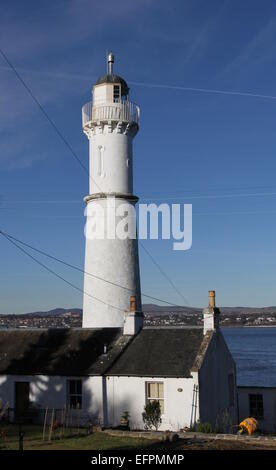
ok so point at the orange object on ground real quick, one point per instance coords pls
(249, 424)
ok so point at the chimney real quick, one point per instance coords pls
(133, 320)
(212, 299)
(211, 314)
(133, 303)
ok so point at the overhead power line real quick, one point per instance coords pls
(68, 282)
(164, 274)
(44, 253)
(58, 275)
(44, 112)
(205, 90)
(64, 140)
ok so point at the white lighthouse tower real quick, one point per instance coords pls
(112, 276)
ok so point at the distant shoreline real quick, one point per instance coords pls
(249, 326)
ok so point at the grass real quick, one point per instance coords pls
(78, 439)
(72, 441)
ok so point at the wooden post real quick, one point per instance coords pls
(51, 425)
(71, 421)
(61, 424)
(79, 411)
(45, 422)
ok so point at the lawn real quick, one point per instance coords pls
(74, 439)
(78, 439)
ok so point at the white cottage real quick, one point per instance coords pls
(100, 373)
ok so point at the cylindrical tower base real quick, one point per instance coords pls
(111, 266)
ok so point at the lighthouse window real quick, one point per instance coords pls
(116, 93)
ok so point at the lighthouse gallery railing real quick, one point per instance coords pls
(125, 111)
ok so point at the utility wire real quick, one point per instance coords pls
(11, 237)
(44, 112)
(164, 274)
(58, 275)
(11, 240)
(49, 119)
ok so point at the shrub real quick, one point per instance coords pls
(126, 415)
(152, 415)
(206, 428)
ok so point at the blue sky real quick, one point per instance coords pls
(214, 150)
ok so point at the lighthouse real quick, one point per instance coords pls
(110, 121)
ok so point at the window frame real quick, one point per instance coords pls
(159, 399)
(256, 409)
(78, 395)
(116, 98)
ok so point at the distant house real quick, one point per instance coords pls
(100, 373)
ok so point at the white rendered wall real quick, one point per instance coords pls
(51, 392)
(268, 424)
(114, 260)
(110, 158)
(129, 394)
(106, 398)
(102, 94)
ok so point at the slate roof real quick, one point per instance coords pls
(160, 352)
(59, 351)
(154, 352)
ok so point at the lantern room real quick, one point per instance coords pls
(110, 88)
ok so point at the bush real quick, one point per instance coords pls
(206, 428)
(152, 415)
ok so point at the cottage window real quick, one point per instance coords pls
(155, 391)
(75, 394)
(256, 406)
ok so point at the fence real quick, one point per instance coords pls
(124, 111)
(44, 424)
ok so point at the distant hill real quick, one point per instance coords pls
(153, 309)
(56, 312)
(159, 310)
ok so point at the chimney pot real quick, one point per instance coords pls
(133, 303)
(212, 298)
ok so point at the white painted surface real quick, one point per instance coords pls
(105, 399)
(129, 394)
(115, 260)
(102, 94)
(268, 424)
(115, 148)
(210, 319)
(51, 392)
(133, 323)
